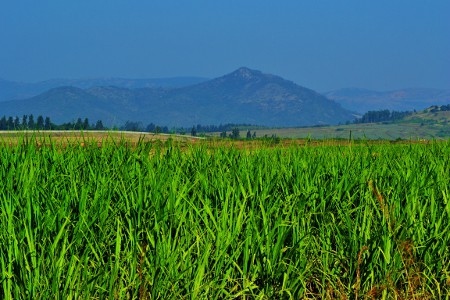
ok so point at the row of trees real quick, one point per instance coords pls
(44, 123)
(385, 115)
(440, 108)
(445, 107)
(82, 125)
(218, 128)
(28, 122)
(223, 128)
(194, 131)
(235, 134)
(137, 126)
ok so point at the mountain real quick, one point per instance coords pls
(252, 97)
(243, 96)
(363, 100)
(10, 90)
(112, 105)
(16, 90)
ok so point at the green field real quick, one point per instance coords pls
(165, 220)
(418, 126)
(391, 131)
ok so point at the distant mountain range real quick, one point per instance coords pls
(363, 100)
(243, 96)
(10, 90)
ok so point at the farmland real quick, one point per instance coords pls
(391, 131)
(180, 218)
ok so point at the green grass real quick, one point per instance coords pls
(163, 222)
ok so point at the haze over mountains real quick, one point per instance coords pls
(243, 96)
(10, 90)
(363, 100)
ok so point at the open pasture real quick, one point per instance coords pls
(223, 220)
(411, 131)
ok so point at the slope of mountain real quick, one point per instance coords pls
(63, 104)
(362, 100)
(249, 96)
(437, 115)
(243, 96)
(10, 90)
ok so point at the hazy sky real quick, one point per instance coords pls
(320, 44)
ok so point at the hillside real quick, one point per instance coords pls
(429, 124)
(243, 96)
(432, 115)
(362, 100)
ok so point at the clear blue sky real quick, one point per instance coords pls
(323, 44)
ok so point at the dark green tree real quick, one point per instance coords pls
(193, 131)
(17, 123)
(24, 122)
(132, 126)
(31, 124)
(47, 124)
(10, 123)
(3, 123)
(79, 124)
(235, 133)
(150, 127)
(40, 122)
(99, 125)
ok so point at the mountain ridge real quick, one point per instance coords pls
(356, 99)
(11, 90)
(242, 96)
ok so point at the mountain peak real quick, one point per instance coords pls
(246, 73)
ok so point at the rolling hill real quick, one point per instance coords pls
(363, 100)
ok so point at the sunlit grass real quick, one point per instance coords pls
(157, 221)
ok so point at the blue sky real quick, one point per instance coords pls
(323, 44)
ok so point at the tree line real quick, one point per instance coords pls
(385, 115)
(29, 122)
(434, 109)
(195, 130)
